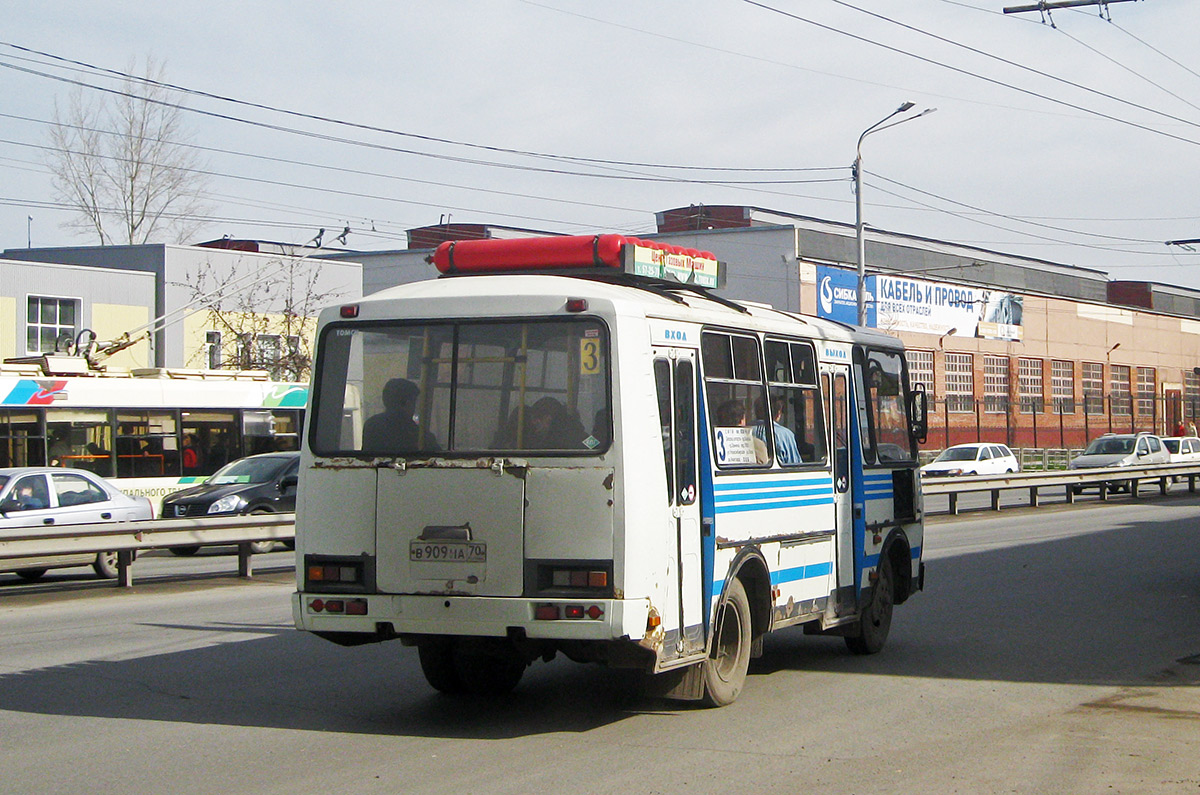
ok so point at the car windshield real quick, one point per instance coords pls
(1171, 444)
(1117, 445)
(958, 454)
(250, 470)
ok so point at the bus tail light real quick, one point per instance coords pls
(573, 579)
(350, 607)
(324, 573)
(553, 612)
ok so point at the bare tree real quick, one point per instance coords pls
(266, 325)
(121, 161)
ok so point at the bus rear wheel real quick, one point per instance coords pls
(727, 663)
(876, 620)
(480, 666)
(437, 663)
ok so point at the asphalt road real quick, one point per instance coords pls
(1053, 650)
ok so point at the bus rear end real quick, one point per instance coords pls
(458, 485)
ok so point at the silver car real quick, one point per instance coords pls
(39, 496)
(1120, 450)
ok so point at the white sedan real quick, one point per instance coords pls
(40, 496)
(972, 459)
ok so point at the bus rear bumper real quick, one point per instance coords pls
(391, 615)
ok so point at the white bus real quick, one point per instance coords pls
(150, 432)
(572, 445)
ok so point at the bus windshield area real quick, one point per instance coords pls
(462, 388)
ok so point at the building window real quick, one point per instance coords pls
(1092, 381)
(1118, 393)
(1062, 386)
(995, 384)
(212, 341)
(1146, 382)
(1191, 395)
(960, 383)
(267, 352)
(920, 369)
(49, 320)
(1029, 384)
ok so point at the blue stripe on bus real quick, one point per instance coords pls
(765, 494)
(795, 574)
(801, 573)
(765, 505)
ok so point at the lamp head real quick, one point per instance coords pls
(905, 106)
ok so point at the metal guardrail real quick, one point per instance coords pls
(1069, 480)
(129, 538)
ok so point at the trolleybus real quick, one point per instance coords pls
(574, 445)
(150, 432)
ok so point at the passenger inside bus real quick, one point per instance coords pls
(551, 427)
(785, 440)
(394, 430)
(732, 414)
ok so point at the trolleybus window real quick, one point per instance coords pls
(733, 382)
(889, 440)
(399, 389)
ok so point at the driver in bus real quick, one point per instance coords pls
(394, 430)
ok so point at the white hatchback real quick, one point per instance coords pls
(1183, 449)
(983, 458)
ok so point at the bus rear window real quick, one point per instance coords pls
(465, 388)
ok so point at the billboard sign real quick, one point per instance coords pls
(902, 304)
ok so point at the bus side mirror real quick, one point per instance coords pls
(918, 413)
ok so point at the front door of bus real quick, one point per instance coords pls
(675, 385)
(835, 385)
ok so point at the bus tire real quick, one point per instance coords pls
(105, 565)
(437, 663)
(727, 663)
(31, 575)
(872, 629)
(486, 667)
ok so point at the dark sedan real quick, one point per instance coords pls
(256, 484)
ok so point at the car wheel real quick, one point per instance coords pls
(185, 552)
(31, 575)
(725, 669)
(261, 547)
(106, 565)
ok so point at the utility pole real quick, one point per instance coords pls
(1045, 6)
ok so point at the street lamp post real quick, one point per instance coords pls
(858, 214)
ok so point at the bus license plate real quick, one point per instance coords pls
(447, 552)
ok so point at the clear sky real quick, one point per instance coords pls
(1077, 143)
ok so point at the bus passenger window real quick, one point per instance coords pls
(735, 391)
(796, 423)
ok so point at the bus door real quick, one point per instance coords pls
(835, 385)
(675, 386)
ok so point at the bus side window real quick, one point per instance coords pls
(797, 424)
(736, 396)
